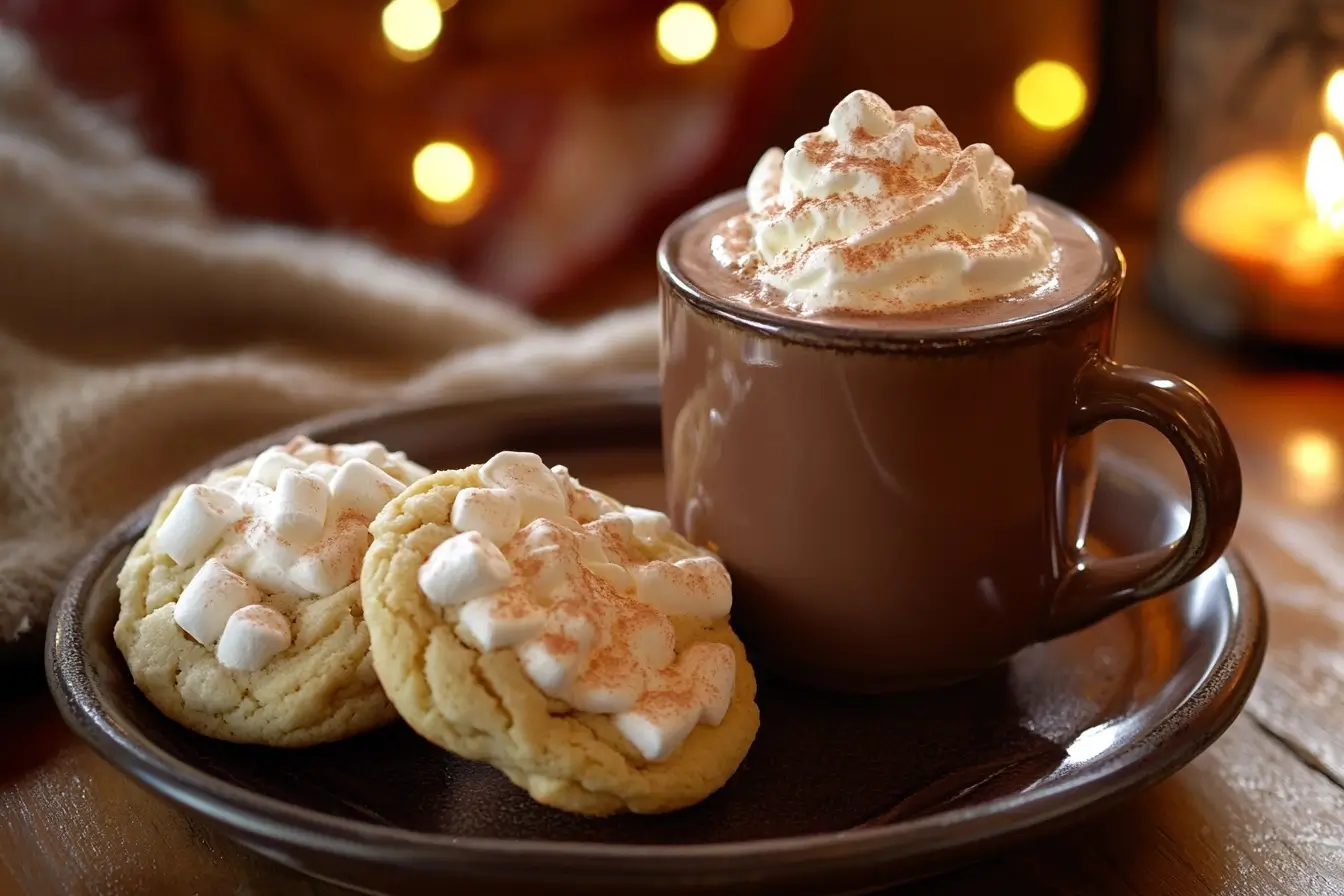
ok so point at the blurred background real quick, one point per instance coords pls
(536, 148)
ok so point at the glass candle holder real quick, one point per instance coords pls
(1251, 232)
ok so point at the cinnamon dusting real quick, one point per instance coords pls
(676, 698)
(608, 667)
(558, 645)
(620, 623)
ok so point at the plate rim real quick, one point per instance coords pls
(1214, 705)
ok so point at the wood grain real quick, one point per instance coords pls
(1245, 819)
(1262, 812)
(71, 823)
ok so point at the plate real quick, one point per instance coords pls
(838, 794)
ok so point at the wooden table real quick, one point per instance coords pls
(1262, 812)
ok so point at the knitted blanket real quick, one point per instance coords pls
(140, 334)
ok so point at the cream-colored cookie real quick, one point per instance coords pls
(260, 563)
(581, 647)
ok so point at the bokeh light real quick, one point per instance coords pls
(757, 24)
(1050, 95)
(1334, 98)
(443, 172)
(1311, 460)
(412, 26)
(686, 33)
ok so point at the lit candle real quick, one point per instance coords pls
(1280, 224)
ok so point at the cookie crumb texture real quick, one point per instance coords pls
(482, 706)
(321, 688)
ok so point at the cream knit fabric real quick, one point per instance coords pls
(140, 334)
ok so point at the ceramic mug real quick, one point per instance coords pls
(902, 508)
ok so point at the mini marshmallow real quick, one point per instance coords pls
(464, 567)
(334, 562)
(697, 586)
(592, 693)
(196, 523)
(710, 580)
(654, 642)
(494, 624)
(210, 598)
(550, 667)
(266, 575)
(493, 512)
(323, 470)
(698, 690)
(649, 525)
(534, 485)
(373, 452)
(615, 532)
(584, 503)
(541, 533)
(252, 636)
(548, 568)
(549, 554)
(267, 544)
(591, 550)
(298, 508)
(555, 658)
(360, 486)
(712, 669)
(568, 487)
(257, 569)
(657, 727)
(308, 451)
(615, 575)
(651, 646)
(249, 493)
(270, 463)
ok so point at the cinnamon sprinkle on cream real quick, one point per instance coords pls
(884, 210)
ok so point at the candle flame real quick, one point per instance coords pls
(1333, 98)
(1325, 181)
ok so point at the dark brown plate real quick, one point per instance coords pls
(837, 794)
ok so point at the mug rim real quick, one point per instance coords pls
(1105, 286)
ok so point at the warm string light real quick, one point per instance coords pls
(412, 27)
(686, 33)
(758, 24)
(443, 172)
(1050, 95)
(449, 182)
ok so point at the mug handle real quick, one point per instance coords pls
(1094, 587)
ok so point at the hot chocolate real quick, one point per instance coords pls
(880, 369)
(1076, 265)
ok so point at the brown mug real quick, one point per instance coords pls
(906, 507)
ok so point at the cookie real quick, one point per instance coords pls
(580, 646)
(240, 613)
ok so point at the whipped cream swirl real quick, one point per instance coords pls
(882, 211)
